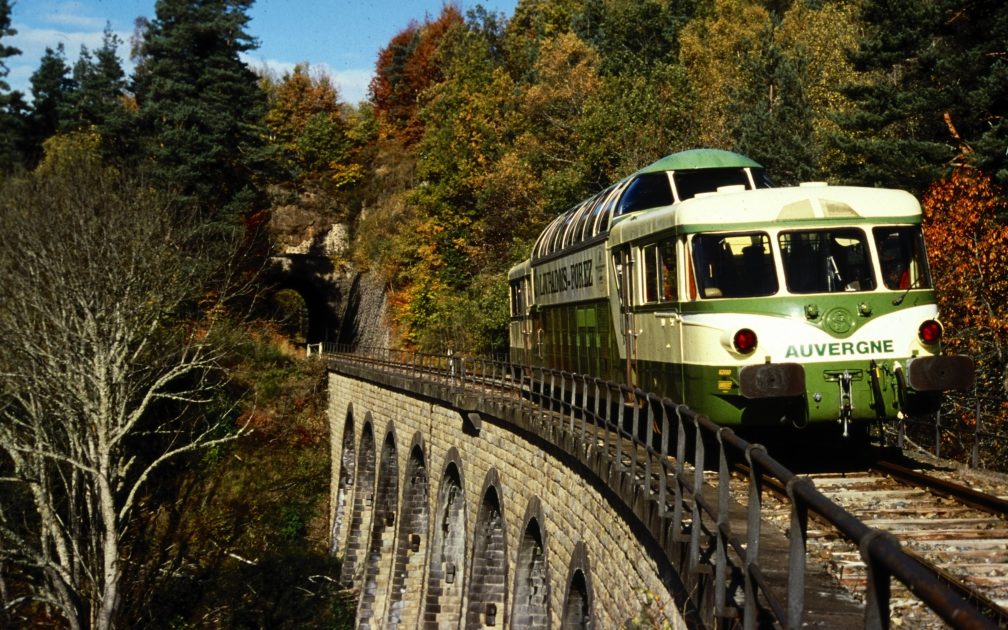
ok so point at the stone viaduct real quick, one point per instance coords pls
(455, 511)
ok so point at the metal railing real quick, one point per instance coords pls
(661, 478)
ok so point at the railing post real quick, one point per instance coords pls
(635, 423)
(677, 509)
(797, 553)
(618, 428)
(552, 389)
(598, 426)
(878, 589)
(976, 431)
(663, 484)
(724, 501)
(938, 433)
(649, 420)
(695, 526)
(752, 536)
(573, 397)
(583, 407)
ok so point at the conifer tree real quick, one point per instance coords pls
(200, 106)
(12, 106)
(100, 104)
(934, 81)
(5, 51)
(53, 90)
(770, 118)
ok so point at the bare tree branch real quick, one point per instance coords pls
(107, 353)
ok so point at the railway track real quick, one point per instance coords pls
(958, 532)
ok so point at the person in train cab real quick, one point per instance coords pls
(895, 271)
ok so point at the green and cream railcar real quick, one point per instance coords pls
(756, 305)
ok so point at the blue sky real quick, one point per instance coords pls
(338, 36)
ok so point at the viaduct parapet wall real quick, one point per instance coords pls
(448, 514)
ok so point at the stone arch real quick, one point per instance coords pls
(531, 585)
(314, 279)
(345, 481)
(408, 566)
(363, 503)
(446, 568)
(578, 601)
(488, 571)
(376, 566)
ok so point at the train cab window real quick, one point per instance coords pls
(689, 184)
(734, 265)
(659, 272)
(826, 261)
(649, 190)
(902, 261)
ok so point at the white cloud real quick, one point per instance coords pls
(32, 43)
(352, 83)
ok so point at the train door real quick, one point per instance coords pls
(528, 328)
(522, 326)
(659, 323)
(623, 268)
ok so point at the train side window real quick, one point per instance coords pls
(659, 272)
(669, 280)
(600, 221)
(546, 238)
(561, 227)
(652, 273)
(589, 218)
(572, 234)
(649, 190)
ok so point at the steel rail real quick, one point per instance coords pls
(988, 607)
(948, 489)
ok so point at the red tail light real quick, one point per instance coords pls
(930, 332)
(744, 341)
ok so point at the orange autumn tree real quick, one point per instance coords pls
(407, 67)
(967, 235)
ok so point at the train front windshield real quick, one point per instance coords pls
(734, 265)
(825, 261)
(820, 260)
(831, 260)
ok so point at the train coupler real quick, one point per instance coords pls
(846, 400)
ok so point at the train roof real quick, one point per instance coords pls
(698, 159)
(732, 207)
(672, 179)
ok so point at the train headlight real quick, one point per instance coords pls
(930, 332)
(744, 341)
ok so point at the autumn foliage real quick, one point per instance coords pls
(967, 239)
(405, 68)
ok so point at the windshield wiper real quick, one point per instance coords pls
(899, 300)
